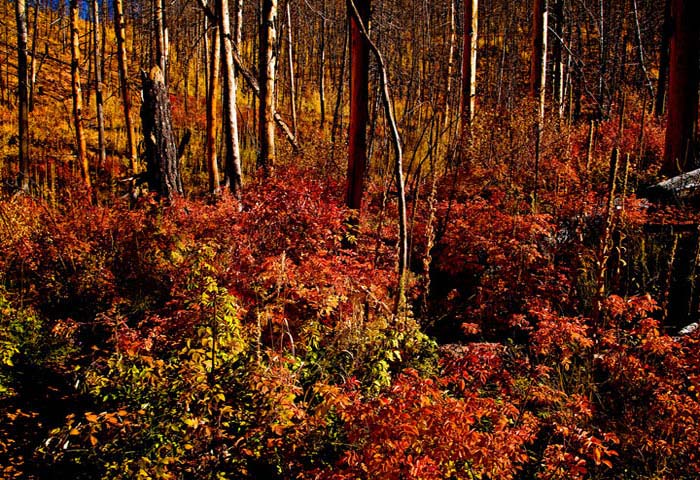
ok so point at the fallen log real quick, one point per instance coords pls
(682, 188)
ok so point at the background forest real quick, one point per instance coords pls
(340, 240)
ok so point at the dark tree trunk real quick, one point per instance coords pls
(359, 114)
(23, 93)
(162, 165)
(680, 155)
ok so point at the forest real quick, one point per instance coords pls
(335, 240)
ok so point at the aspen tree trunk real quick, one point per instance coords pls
(23, 94)
(471, 28)
(538, 61)
(161, 39)
(337, 113)
(664, 59)
(268, 40)
(120, 33)
(32, 65)
(212, 98)
(98, 86)
(321, 65)
(290, 57)
(558, 57)
(232, 165)
(680, 154)
(238, 27)
(77, 93)
(450, 65)
(359, 112)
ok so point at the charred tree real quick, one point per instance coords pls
(680, 154)
(359, 112)
(162, 162)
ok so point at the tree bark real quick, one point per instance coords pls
(470, 47)
(292, 89)
(98, 53)
(232, 165)
(268, 40)
(161, 39)
(212, 97)
(664, 59)
(120, 33)
(23, 94)
(538, 61)
(359, 112)
(81, 146)
(162, 164)
(680, 154)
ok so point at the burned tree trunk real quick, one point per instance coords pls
(162, 163)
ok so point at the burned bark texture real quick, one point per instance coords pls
(162, 163)
(681, 154)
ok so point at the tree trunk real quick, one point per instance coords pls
(23, 94)
(268, 40)
(77, 93)
(664, 59)
(538, 61)
(322, 66)
(212, 97)
(232, 165)
(680, 155)
(120, 33)
(359, 113)
(162, 165)
(98, 53)
(161, 39)
(471, 28)
(290, 58)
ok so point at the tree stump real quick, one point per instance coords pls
(162, 162)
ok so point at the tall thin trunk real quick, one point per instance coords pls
(337, 113)
(359, 112)
(664, 59)
(232, 165)
(290, 57)
(120, 33)
(23, 93)
(161, 39)
(538, 61)
(77, 93)
(680, 152)
(32, 66)
(558, 57)
(452, 37)
(212, 97)
(238, 27)
(98, 86)
(267, 59)
(322, 66)
(471, 28)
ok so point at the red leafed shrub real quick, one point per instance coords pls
(415, 430)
